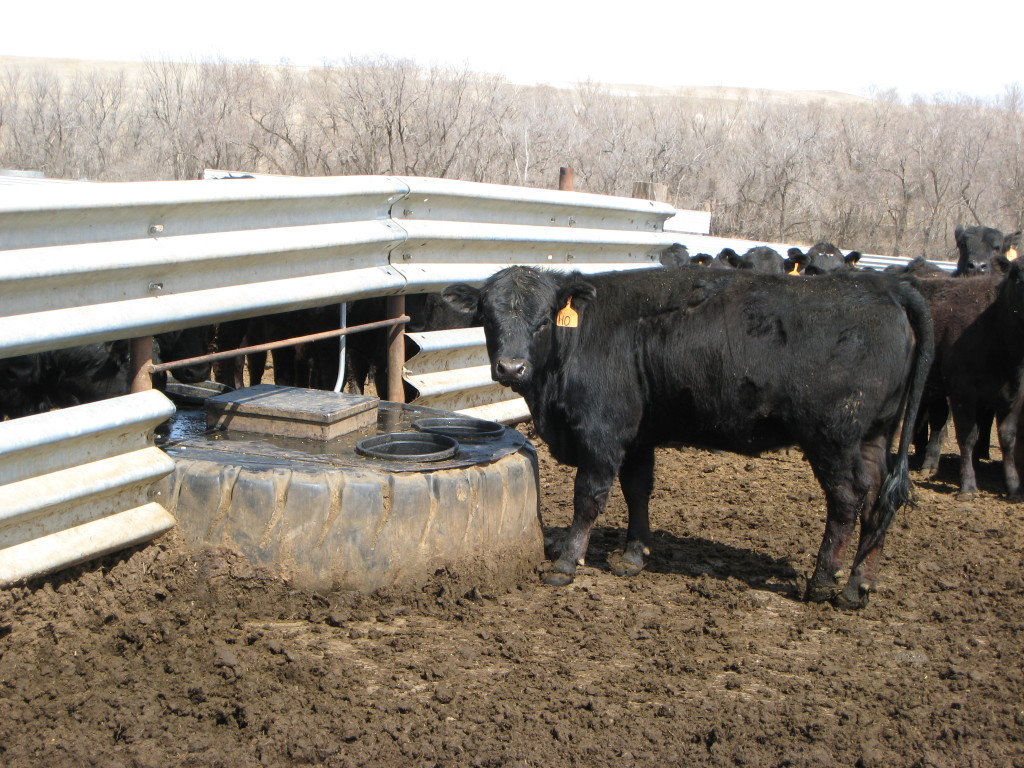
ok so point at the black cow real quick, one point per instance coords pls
(919, 267)
(613, 365)
(367, 352)
(676, 255)
(984, 250)
(979, 368)
(821, 258)
(315, 364)
(760, 258)
(59, 378)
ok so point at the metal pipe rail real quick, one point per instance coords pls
(280, 344)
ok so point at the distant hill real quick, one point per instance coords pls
(131, 69)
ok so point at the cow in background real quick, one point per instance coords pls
(978, 370)
(984, 250)
(613, 365)
(314, 365)
(821, 258)
(919, 267)
(760, 258)
(60, 378)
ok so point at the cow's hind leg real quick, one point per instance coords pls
(842, 478)
(938, 416)
(637, 480)
(1008, 445)
(590, 496)
(874, 467)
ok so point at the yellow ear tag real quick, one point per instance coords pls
(567, 316)
(1011, 254)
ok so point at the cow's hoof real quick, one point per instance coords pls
(556, 578)
(558, 573)
(854, 596)
(553, 547)
(625, 563)
(819, 593)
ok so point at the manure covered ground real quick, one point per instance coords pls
(163, 657)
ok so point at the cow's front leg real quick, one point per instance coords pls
(590, 496)
(637, 480)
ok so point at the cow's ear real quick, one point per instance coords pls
(675, 256)
(462, 297)
(578, 289)
(1000, 265)
(1011, 241)
(731, 257)
(796, 256)
(852, 257)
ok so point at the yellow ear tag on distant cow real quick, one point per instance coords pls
(567, 316)
(1011, 254)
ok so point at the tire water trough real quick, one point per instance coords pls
(351, 492)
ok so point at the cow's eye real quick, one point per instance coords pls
(543, 325)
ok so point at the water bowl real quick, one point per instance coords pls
(460, 427)
(408, 446)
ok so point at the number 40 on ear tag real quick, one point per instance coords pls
(567, 316)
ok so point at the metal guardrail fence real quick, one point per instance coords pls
(84, 263)
(97, 262)
(74, 483)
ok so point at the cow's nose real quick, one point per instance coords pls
(510, 368)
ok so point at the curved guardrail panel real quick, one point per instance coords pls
(74, 483)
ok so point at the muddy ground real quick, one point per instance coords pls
(162, 657)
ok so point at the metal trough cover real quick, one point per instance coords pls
(291, 412)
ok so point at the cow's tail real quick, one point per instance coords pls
(896, 488)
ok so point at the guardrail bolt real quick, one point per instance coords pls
(156, 287)
(156, 229)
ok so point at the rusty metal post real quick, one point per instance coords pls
(140, 363)
(396, 351)
(566, 179)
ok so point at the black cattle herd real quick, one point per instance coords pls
(729, 352)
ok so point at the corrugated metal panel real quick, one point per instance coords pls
(450, 370)
(507, 412)
(697, 222)
(97, 262)
(74, 483)
(63, 549)
(445, 350)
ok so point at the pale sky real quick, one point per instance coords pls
(924, 48)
